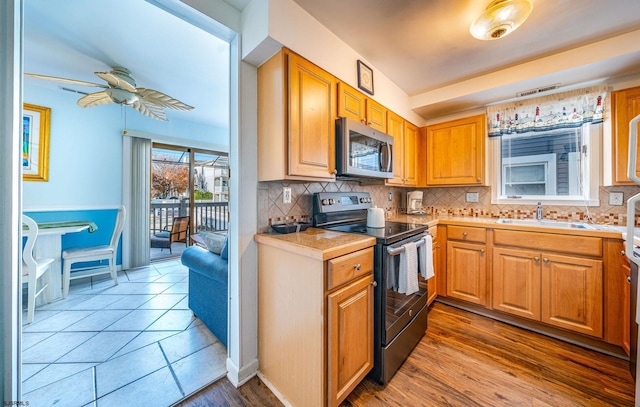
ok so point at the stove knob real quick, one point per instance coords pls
(369, 200)
(363, 200)
(331, 201)
(324, 202)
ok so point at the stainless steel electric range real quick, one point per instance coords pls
(400, 320)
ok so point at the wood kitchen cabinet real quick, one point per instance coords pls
(405, 146)
(355, 105)
(296, 120)
(625, 105)
(467, 264)
(556, 285)
(516, 282)
(456, 152)
(315, 313)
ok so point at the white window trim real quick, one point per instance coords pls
(593, 141)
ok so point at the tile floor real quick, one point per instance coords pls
(136, 343)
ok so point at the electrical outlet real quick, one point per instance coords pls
(390, 196)
(616, 198)
(472, 197)
(286, 195)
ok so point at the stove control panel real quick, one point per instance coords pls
(325, 202)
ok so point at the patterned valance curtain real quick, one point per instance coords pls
(561, 110)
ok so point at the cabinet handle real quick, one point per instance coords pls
(478, 179)
(437, 246)
(622, 252)
(545, 260)
(410, 312)
(370, 123)
(363, 121)
(481, 251)
(537, 259)
(335, 171)
(629, 278)
(357, 266)
(464, 234)
(374, 283)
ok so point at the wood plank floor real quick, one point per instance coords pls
(470, 360)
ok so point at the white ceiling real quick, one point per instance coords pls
(75, 38)
(423, 46)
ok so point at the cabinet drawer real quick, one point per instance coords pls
(582, 245)
(345, 268)
(467, 234)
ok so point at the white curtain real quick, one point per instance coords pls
(560, 110)
(136, 190)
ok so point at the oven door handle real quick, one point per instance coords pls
(394, 251)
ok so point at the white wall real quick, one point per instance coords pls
(85, 153)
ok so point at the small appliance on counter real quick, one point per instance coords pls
(292, 227)
(414, 203)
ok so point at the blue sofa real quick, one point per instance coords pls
(208, 287)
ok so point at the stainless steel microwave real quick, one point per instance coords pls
(362, 151)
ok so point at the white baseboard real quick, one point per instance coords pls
(238, 377)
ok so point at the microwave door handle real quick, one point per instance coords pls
(633, 149)
(389, 159)
(380, 165)
(631, 215)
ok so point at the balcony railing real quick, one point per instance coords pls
(209, 216)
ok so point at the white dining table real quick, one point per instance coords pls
(49, 245)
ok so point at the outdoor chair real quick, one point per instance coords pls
(178, 234)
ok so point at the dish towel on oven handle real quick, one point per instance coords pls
(408, 273)
(425, 258)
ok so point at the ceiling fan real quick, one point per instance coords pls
(121, 89)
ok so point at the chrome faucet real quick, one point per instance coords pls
(539, 211)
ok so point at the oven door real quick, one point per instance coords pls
(399, 308)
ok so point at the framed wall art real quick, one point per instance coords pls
(36, 122)
(365, 77)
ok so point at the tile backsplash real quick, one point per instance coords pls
(437, 201)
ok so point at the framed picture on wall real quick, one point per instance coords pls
(365, 77)
(36, 121)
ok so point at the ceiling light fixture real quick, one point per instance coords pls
(500, 18)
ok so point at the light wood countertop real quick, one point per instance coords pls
(317, 243)
(605, 231)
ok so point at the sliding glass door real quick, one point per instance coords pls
(186, 183)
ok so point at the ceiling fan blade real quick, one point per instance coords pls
(149, 109)
(64, 80)
(159, 98)
(94, 99)
(116, 81)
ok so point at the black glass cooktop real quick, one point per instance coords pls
(391, 232)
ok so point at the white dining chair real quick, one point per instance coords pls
(100, 253)
(33, 269)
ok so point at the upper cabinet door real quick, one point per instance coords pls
(455, 152)
(311, 119)
(411, 133)
(351, 103)
(395, 128)
(376, 116)
(625, 105)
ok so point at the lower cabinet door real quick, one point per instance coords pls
(516, 282)
(467, 272)
(350, 338)
(572, 294)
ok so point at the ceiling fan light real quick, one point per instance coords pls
(121, 96)
(500, 18)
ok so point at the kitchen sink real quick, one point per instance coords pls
(547, 223)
